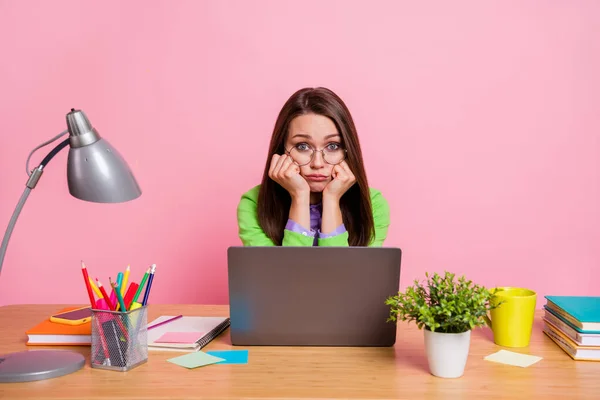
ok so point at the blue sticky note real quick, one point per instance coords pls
(230, 356)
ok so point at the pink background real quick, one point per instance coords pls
(479, 122)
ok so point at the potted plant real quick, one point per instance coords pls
(447, 309)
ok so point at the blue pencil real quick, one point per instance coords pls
(148, 285)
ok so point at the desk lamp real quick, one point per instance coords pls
(96, 172)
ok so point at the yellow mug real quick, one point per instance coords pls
(512, 320)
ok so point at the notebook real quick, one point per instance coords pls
(581, 311)
(51, 333)
(576, 352)
(586, 338)
(207, 328)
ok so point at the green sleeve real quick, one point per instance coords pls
(340, 240)
(381, 220)
(250, 232)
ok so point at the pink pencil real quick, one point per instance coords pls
(165, 322)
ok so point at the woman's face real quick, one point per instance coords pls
(314, 132)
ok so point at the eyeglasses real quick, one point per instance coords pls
(303, 154)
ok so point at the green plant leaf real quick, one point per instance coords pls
(442, 303)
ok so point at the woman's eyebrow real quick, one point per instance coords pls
(304, 135)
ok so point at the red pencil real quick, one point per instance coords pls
(103, 291)
(86, 278)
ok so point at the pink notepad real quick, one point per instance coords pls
(180, 337)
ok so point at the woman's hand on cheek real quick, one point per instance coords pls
(343, 179)
(284, 171)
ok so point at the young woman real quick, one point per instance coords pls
(314, 190)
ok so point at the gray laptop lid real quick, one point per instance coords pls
(312, 296)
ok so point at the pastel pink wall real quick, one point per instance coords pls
(479, 122)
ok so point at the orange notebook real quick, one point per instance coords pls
(50, 333)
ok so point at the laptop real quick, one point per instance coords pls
(312, 296)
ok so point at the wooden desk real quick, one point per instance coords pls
(307, 372)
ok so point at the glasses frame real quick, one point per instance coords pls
(312, 156)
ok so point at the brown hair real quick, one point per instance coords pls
(274, 201)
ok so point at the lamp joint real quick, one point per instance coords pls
(34, 177)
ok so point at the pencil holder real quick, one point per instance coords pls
(119, 339)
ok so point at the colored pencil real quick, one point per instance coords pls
(119, 279)
(95, 288)
(141, 287)
(150, 279)
(86, 279)
(123, 285)
(105, 295)
(164, 322)
(118, 293)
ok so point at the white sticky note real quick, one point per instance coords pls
(512, 358)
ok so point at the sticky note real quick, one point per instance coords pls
(195, 359)
(231, 356)
(179, 337)
(512, 358)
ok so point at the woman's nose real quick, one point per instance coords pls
(317, 160)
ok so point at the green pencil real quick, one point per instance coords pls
(139, 291)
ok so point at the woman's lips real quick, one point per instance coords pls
(316, 178)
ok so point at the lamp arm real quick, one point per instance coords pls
(31, 183)
(54, 152)
(46, 143)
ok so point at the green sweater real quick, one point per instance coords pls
(251, 234)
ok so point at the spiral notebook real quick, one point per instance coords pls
(193, 332)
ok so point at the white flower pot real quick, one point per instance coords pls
(447, 353)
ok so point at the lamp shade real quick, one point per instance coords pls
(96, 171)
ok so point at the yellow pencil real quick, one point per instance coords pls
(124, 283)
(95, 288)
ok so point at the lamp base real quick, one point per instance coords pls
(37, 365)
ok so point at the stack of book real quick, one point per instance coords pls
(573, 323)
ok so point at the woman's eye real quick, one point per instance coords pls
(302, 147)
(333, 146)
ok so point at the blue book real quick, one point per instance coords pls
(581, 311)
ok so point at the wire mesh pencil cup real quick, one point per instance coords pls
(119, 339)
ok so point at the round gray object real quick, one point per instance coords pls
(36, 365)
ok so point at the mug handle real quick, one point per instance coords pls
(486, 317)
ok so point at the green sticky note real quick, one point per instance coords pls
(195, 360)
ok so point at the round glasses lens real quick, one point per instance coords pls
(334, 156)
(302, 157)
